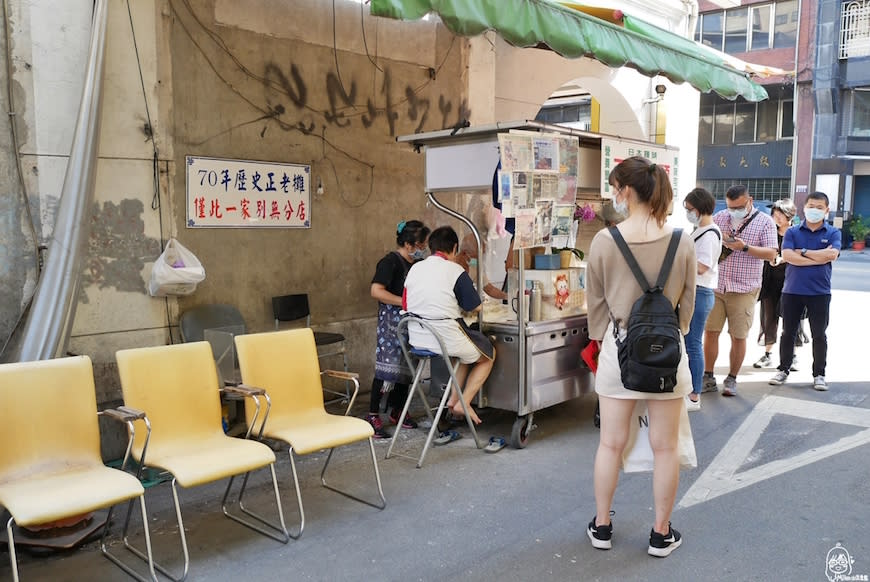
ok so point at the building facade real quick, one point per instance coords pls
(759, 144)
(814, 132)
(841, 145)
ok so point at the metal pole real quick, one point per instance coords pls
(46, 332)
(461, 217)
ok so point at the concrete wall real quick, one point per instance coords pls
(259, 81)
(269, 80)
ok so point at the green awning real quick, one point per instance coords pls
(529, 23)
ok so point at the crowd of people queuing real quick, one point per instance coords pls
(731, 260)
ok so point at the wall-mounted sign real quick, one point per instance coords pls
(247, 194)
(615, 150)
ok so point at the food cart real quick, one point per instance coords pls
(538, 363)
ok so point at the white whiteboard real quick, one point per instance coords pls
(465, 165)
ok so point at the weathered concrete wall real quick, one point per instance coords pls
(259, 81)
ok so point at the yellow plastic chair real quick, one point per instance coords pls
(50, 465)
(177, 387)
(285, 364)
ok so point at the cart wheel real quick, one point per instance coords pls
(520, 432)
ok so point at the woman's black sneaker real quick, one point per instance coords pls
(600, 535)
(660, 545)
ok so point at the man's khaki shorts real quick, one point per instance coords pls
(737, 308)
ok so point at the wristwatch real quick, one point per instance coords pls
(745, 248)
(803, 252)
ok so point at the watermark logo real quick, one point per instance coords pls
(838, 565)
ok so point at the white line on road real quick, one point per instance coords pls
(722, 477)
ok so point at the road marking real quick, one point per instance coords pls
(721, 476)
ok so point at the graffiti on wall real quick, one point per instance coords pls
(345, 106)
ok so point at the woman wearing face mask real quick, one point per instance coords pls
(699, 205)
(642, 192)
(387, 286)
(772, 280)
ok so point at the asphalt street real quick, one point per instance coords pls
(782, 479)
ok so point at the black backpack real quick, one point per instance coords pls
(651, 351)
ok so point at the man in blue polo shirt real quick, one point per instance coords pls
(809, 249)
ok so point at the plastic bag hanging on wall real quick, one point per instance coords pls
(176, 271)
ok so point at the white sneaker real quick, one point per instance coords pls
(763, 362)
(779, 378)
(693, 405)
(793, 367)
(820, 384)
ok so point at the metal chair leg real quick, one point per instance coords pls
(383, 502)
(441, 405)
(149, 555)
(136, 552)
(298, 496)
(276, 532)
(10, 541)
(414, 385)
(471, 427)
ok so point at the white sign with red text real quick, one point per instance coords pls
(247, 194)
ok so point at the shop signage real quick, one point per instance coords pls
(247, 194)
(614, 150)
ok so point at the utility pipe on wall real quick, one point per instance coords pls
(47, 329)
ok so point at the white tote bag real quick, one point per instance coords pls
(638, 454)
(176, 271)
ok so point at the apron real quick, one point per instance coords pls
(390, 363)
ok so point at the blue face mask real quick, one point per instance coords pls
(419, 254)
(814, 215)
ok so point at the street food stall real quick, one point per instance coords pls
(543, 170)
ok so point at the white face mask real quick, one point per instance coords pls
(814, 215)
(620, 207)
(737, 214)
(693, 217)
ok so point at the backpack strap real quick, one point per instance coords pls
(665, 270)
(629, 258)
(669, 258)
(700, 236)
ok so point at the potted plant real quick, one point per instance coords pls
(858, 230)
(566, 256)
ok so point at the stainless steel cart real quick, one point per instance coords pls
(548, 370)
(537, 365)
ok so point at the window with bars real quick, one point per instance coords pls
(771, 189)
(724, 122)
(856, 113)
(855, 29)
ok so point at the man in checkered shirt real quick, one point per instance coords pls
(749, 239)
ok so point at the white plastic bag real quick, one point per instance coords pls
(638, 454)
(176, 271)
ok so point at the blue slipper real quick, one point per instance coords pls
(448, 436)
(495, 444)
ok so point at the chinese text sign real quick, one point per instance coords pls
(247, 194)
